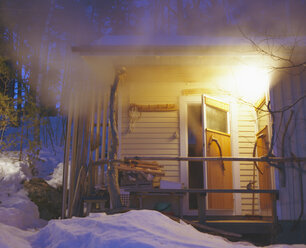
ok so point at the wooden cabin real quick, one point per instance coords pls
(181, 100)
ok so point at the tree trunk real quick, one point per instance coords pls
(112, 172)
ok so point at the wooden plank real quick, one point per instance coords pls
(133, 141)
(197, 91)
(153, 125)
(201, 200)
(149, 152)
(98, 128)
(151, 130)
(265, 179)
(149, 119)
(91, 169)
(66, 158)
(154, 107)
(219, 174)
(109, 140)
(74, 153)
(150, 146)
(208, 191)
(154, 115)
(82, 185)
(217, 104)
(171, 178)
(139, 162)
(169, 173)
(258, 159)
(148, 166)
(136, 169)
(246, 141)
(104, 130)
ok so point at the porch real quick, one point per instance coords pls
(177, 105)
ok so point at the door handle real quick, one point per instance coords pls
(254, 153)
(213, 139)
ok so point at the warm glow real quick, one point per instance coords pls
(251, 82)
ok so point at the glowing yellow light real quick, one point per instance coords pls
(252, 82)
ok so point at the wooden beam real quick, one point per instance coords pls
(250, 159)
(104, 129)
(98, 128)
(75, 109)
(66, 158)
(184, 191)
(201, 200)
(92, 139)
(136, 169)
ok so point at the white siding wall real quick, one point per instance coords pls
(153, 133)
(246, 140)
(288, 89)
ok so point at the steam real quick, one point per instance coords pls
(39, 35)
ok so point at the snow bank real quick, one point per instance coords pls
(138, 228)
(12, 237)
(57, 176)
(49, 160)
(16, 209)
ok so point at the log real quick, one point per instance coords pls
(135, 169)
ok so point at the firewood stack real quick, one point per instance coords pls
(140, 173)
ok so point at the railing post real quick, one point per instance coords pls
(201, 199)
(274, 197)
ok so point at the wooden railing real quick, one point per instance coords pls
(201, 197)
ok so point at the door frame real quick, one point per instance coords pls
(233, 123)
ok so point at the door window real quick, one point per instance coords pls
(216, 119)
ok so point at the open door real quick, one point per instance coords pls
(208, 135)
(218, 144)
(195, 149)
(262, 143)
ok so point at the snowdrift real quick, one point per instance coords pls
(137, 228)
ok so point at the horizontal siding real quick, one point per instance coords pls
(287, 89)
(153, 140)
(155, 125)
(150, 146)
(156, 133)
(156, 152)
(152, 133)
(246, 140)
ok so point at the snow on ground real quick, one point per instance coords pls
(137, 228)
(49, 159)
(20, 226)
(12, 237)
(16, 209)
(134, 229)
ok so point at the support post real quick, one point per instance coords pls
(66, 159)
(274, 198)
(112, 172)
(201, 199)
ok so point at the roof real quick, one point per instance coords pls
(185, 50)
(174, 40)
(161, 45)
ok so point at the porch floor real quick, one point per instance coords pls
(238, 224)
